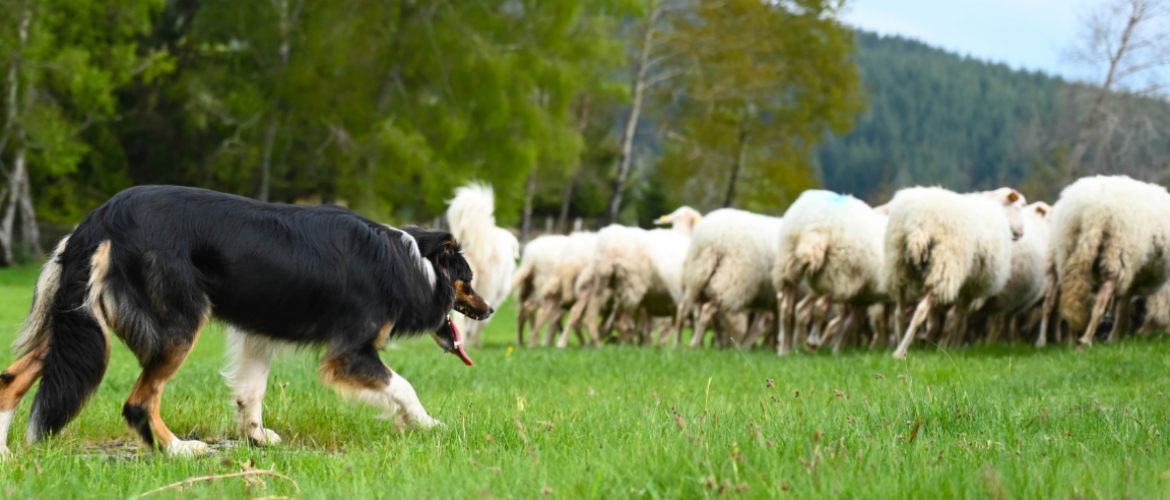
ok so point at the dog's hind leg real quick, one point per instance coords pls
(247, 375)
(142, 407)
(361, 374)
(14, 384)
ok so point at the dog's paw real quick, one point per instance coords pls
(264, 437)
(187, 449)
(425, 422)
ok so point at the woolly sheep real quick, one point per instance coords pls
(1112, 232)
(636, 269)
(728, 267)
(1028, 282)
(834, 243)
(490, 251)
(948, 248)
(537, 269)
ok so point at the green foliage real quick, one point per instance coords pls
(77, 54)
(761, 85)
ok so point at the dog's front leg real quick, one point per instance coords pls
(363, 376)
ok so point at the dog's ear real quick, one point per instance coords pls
(432, 243)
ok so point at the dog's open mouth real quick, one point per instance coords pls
(466, 311)
(454, 343)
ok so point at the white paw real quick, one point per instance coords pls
(424, 422)
(5, 453)
(900, 354)
(186, 449)
(264, 437)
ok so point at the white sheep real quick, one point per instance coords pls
(1028, 282)
(1110, 232)
(490, 251)
(728, 268)
(538, 266)
(834, 243)
(634, 272)
(948, 248)
(558, 293)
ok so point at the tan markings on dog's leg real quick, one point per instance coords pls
(248, 377)
(14, 384)
(395, 397)
(147, 395)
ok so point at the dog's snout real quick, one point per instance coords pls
(491, 310)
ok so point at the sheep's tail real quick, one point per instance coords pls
(918, 244)
(471, 212)
(1076, 277)
(67, 329)
(522, 281)
(810, 253)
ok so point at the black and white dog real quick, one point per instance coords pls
(155, 263)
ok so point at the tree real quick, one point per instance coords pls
(64, 60)
(761, 84)
(1127, 40)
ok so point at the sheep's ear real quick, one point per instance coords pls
(883, 209)
(1013, 196)
(1041, 209)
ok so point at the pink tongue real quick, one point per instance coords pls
(458, 344)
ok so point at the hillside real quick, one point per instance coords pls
(936, 117)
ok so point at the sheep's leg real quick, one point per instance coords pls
(521, 320)
(1103, 297)
(757, 328)
(563, 340)
(684, 310)
(847, 326)
(915, 322)
(997, 326)
(899, 311)
(554, 331)
(1049, 309)
(705, 314)
(955, 325)
(822, 309)
(787, 332)
(542, 317)
(1120, 318)
(881, 329)
(803, 316)
(578, 309)
(592, 316)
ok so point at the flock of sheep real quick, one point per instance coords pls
(947, 268)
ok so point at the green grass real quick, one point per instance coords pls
(1003, 422)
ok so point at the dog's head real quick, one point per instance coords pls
(453, 273)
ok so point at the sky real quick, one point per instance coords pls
(1025, 34)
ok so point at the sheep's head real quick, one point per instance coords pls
(1013, 202)
(682, 219)
(1042, 209)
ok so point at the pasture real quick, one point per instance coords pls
(629, 422)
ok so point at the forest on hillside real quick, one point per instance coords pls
(599, 110)
(937, 118)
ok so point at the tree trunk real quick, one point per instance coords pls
(566, 202)
(729, 199)
(626, 157)
(266, 161)
(529, 194)
(29, 232)
(15, 186)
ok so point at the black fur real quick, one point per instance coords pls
(309, 275)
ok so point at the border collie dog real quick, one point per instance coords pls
(155, 263)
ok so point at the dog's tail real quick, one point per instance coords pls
(67, 325)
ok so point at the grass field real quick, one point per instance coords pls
(1004, 422)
